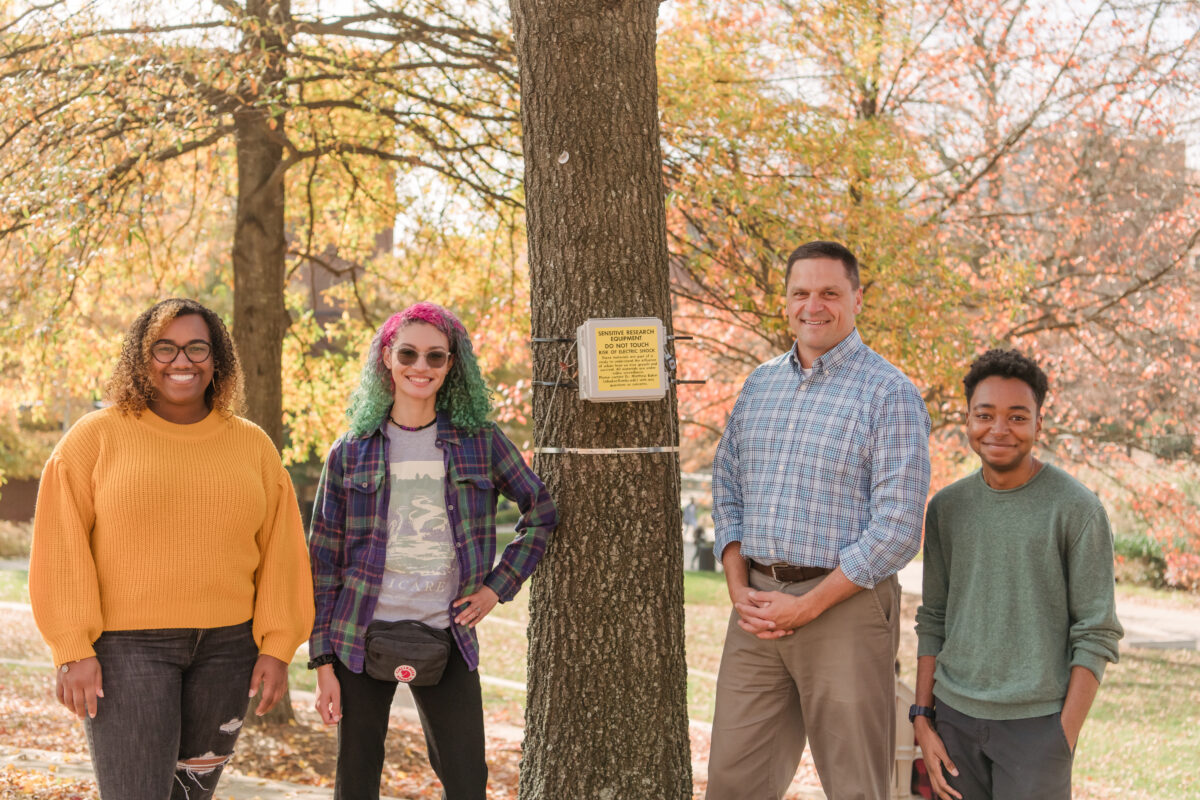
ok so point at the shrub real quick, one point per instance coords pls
(1139, 560)
(1173, 522)
(15, 538)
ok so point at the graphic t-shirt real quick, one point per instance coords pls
(420, 577)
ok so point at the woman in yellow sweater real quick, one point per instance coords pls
(169, 573)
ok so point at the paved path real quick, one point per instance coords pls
(231, 787)
(1146, 625)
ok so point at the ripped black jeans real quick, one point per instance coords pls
(173, 705)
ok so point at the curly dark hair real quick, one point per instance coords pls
(1007, 364)
(130, 388)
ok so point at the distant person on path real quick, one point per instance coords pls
(404, 539)
(690, 519)
(1017, 620)
(168, 574)
(819, 483)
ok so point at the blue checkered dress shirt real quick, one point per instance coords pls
(825, 471)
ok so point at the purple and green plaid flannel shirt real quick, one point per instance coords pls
(348, 537)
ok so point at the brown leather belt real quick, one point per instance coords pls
(789, 574)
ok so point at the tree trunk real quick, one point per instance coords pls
(607, 705)
(260, 318)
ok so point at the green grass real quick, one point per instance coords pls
(1140, 741)
(705, 588)
(1143, 733)
(706, 616)
(14, 586)
(300, 677)
(15, 539)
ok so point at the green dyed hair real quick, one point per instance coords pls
(464, 395)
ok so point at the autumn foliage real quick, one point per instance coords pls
(1010, 173)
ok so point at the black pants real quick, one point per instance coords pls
(451, 715)
(1012, 759)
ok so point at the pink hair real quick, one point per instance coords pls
(464, 394)
(430, 314)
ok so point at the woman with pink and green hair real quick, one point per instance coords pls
(404, 538)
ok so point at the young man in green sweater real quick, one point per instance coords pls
(1017, 620)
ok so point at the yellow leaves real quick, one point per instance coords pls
(32, 785)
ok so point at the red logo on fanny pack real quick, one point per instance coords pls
(405, 673)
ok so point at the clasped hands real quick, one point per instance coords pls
(772, 615)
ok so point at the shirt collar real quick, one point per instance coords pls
(833, 357)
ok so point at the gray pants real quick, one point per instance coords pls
(1012, 759)
(174, 701)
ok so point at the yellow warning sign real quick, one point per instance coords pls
(627, 358)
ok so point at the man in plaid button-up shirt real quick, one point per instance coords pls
(819, 486)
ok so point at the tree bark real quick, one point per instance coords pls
(260, 318)
(607, 704)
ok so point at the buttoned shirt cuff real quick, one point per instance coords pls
(854, 566)
(724, 538)
(505, 587)
(319, 644)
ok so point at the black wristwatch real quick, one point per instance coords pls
(915, 711)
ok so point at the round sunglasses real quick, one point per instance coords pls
(434, 359)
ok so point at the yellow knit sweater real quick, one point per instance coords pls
(142, 523)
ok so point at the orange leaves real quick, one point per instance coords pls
(1171, 514)
(996, 167)
(15, 783)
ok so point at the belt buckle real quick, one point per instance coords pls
(775, 574)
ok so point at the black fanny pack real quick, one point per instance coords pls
(407, 651)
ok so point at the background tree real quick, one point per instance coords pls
(340, 113)
(1012, 174)
(607, 705)
(935, 139)
(120, 138)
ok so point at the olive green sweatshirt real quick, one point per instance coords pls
(1018, 590)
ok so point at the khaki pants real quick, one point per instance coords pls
(831, 683)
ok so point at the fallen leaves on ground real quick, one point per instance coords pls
(31, 717)
(16, 783)
(305, 751)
